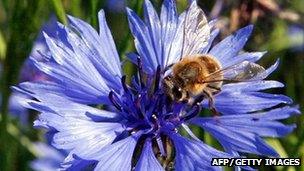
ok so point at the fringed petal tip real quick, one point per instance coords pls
(232, 44)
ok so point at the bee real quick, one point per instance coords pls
(188, 78)
(198, 76)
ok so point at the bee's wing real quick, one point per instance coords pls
(243, 71)
(196, 31)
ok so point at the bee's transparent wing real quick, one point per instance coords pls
(196, 31)
(243, 71)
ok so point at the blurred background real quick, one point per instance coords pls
(279, 29)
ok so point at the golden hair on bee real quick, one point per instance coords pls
(192, 71)
(188, 77)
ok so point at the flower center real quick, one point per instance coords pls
(146, 107)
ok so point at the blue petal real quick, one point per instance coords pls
(72, 69)
(175, 49)
(243, 97)
(54, 104)
(241, 132)
(49, 158)
(252, 86)
(74, 163)
(28, 71)
(263, 124)
(194, 155)
(84, 138)
(212, 23)
(269, 70)
(75, 93)
(281, 113)
(147, 160)
(74, 130)
(241, 141)
(158, 41)
(247, 56)
(117, 156)
(17, 109)
(230, 46)
(105, 57)
(169, 23)
(154, 26)
(232, 103)
(78, 63)
(108, 44)
(74, 61)
(143, 42)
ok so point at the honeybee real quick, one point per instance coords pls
(188, 78)
(198, 76)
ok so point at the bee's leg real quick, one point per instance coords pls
(186, 98)
(217, 89)
(211, 102)
(198, 100)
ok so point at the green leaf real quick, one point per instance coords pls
(2, 47)
(59, 9)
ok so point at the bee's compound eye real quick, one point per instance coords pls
(177, 93)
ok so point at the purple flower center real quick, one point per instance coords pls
(145, 107)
